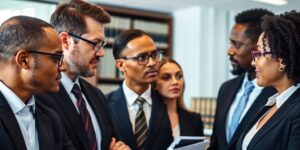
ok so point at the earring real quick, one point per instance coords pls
(281, 68)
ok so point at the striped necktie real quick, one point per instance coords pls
(140, 125)
(85, 116)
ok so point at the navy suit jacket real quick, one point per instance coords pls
(190, 123)
(281, 131)
(226, 96)
(62, 104)
(159, 135)
(51, 133)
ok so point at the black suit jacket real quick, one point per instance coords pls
(190, 123)
(226, 96)
(62, 104)
(281, 131)
(159, 135)
(50, 130)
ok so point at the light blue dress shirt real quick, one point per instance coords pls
(24, 114)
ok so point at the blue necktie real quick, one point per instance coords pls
(239, 109)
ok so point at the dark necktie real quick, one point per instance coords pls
(140, 125)
(85, 116)
(240, 108)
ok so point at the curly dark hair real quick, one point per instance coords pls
(282, 34)
(252, 17)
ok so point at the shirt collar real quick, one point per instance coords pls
(68, 83)
(131, 96)
(15, 103)
(279, 99)
(254, 82)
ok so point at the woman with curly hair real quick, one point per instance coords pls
(170, 85)
(277, 61)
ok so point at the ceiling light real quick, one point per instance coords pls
(273, 2)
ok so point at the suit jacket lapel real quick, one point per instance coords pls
(11, 123)
(154, 126)
(94, 100)
(229, 98)
(276, 118)
(121, 118)
(255, 107)
(45, 130)
(72, 115)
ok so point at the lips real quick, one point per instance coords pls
(175, 90)
(151, 72)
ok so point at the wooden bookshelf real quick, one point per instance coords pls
(158, 25)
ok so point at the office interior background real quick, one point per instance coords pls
(200, 31)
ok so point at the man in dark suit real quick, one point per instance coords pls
(240, 98)
(30, 62)
(81, 105)
(137, 112)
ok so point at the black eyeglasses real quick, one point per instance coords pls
(97, 45)
(143, 59)
(256, 54)
(58, 57)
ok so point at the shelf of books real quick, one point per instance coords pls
(206, 106)
(157, 25)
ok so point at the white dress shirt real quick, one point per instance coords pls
(278, 100)
(68, 85)
(24, 114)
(133, 107)
(256, 91)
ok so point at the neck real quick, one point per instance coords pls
(71, 75)
(251, 75)
(12, 80)
(137, 88)
(283, 84)
(171, 105)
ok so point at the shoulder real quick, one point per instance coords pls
(185, 114)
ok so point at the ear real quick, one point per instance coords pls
(22, 59)
(64, 37)
(282, 65)
(120, 65)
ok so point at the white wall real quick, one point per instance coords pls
(200, 45)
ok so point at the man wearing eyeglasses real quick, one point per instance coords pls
(240, 98)
(137, 112)
(81, 105)
(31, 62)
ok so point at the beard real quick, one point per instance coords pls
(238, 69)
(79, 69)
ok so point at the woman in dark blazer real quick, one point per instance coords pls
(277, 63)
(170, 85)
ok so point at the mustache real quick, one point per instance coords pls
(233, 60)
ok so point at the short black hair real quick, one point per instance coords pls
(123, 38)
(283, 36)
(69, 16)
(253, 18)
(21, 32)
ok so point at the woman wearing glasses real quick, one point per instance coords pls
(170, 85)
(277, 125)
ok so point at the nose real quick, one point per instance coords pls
(100, 53)
(253, 63)
(62, 67)
(152, 61)
(231, 51)
(174, 80)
